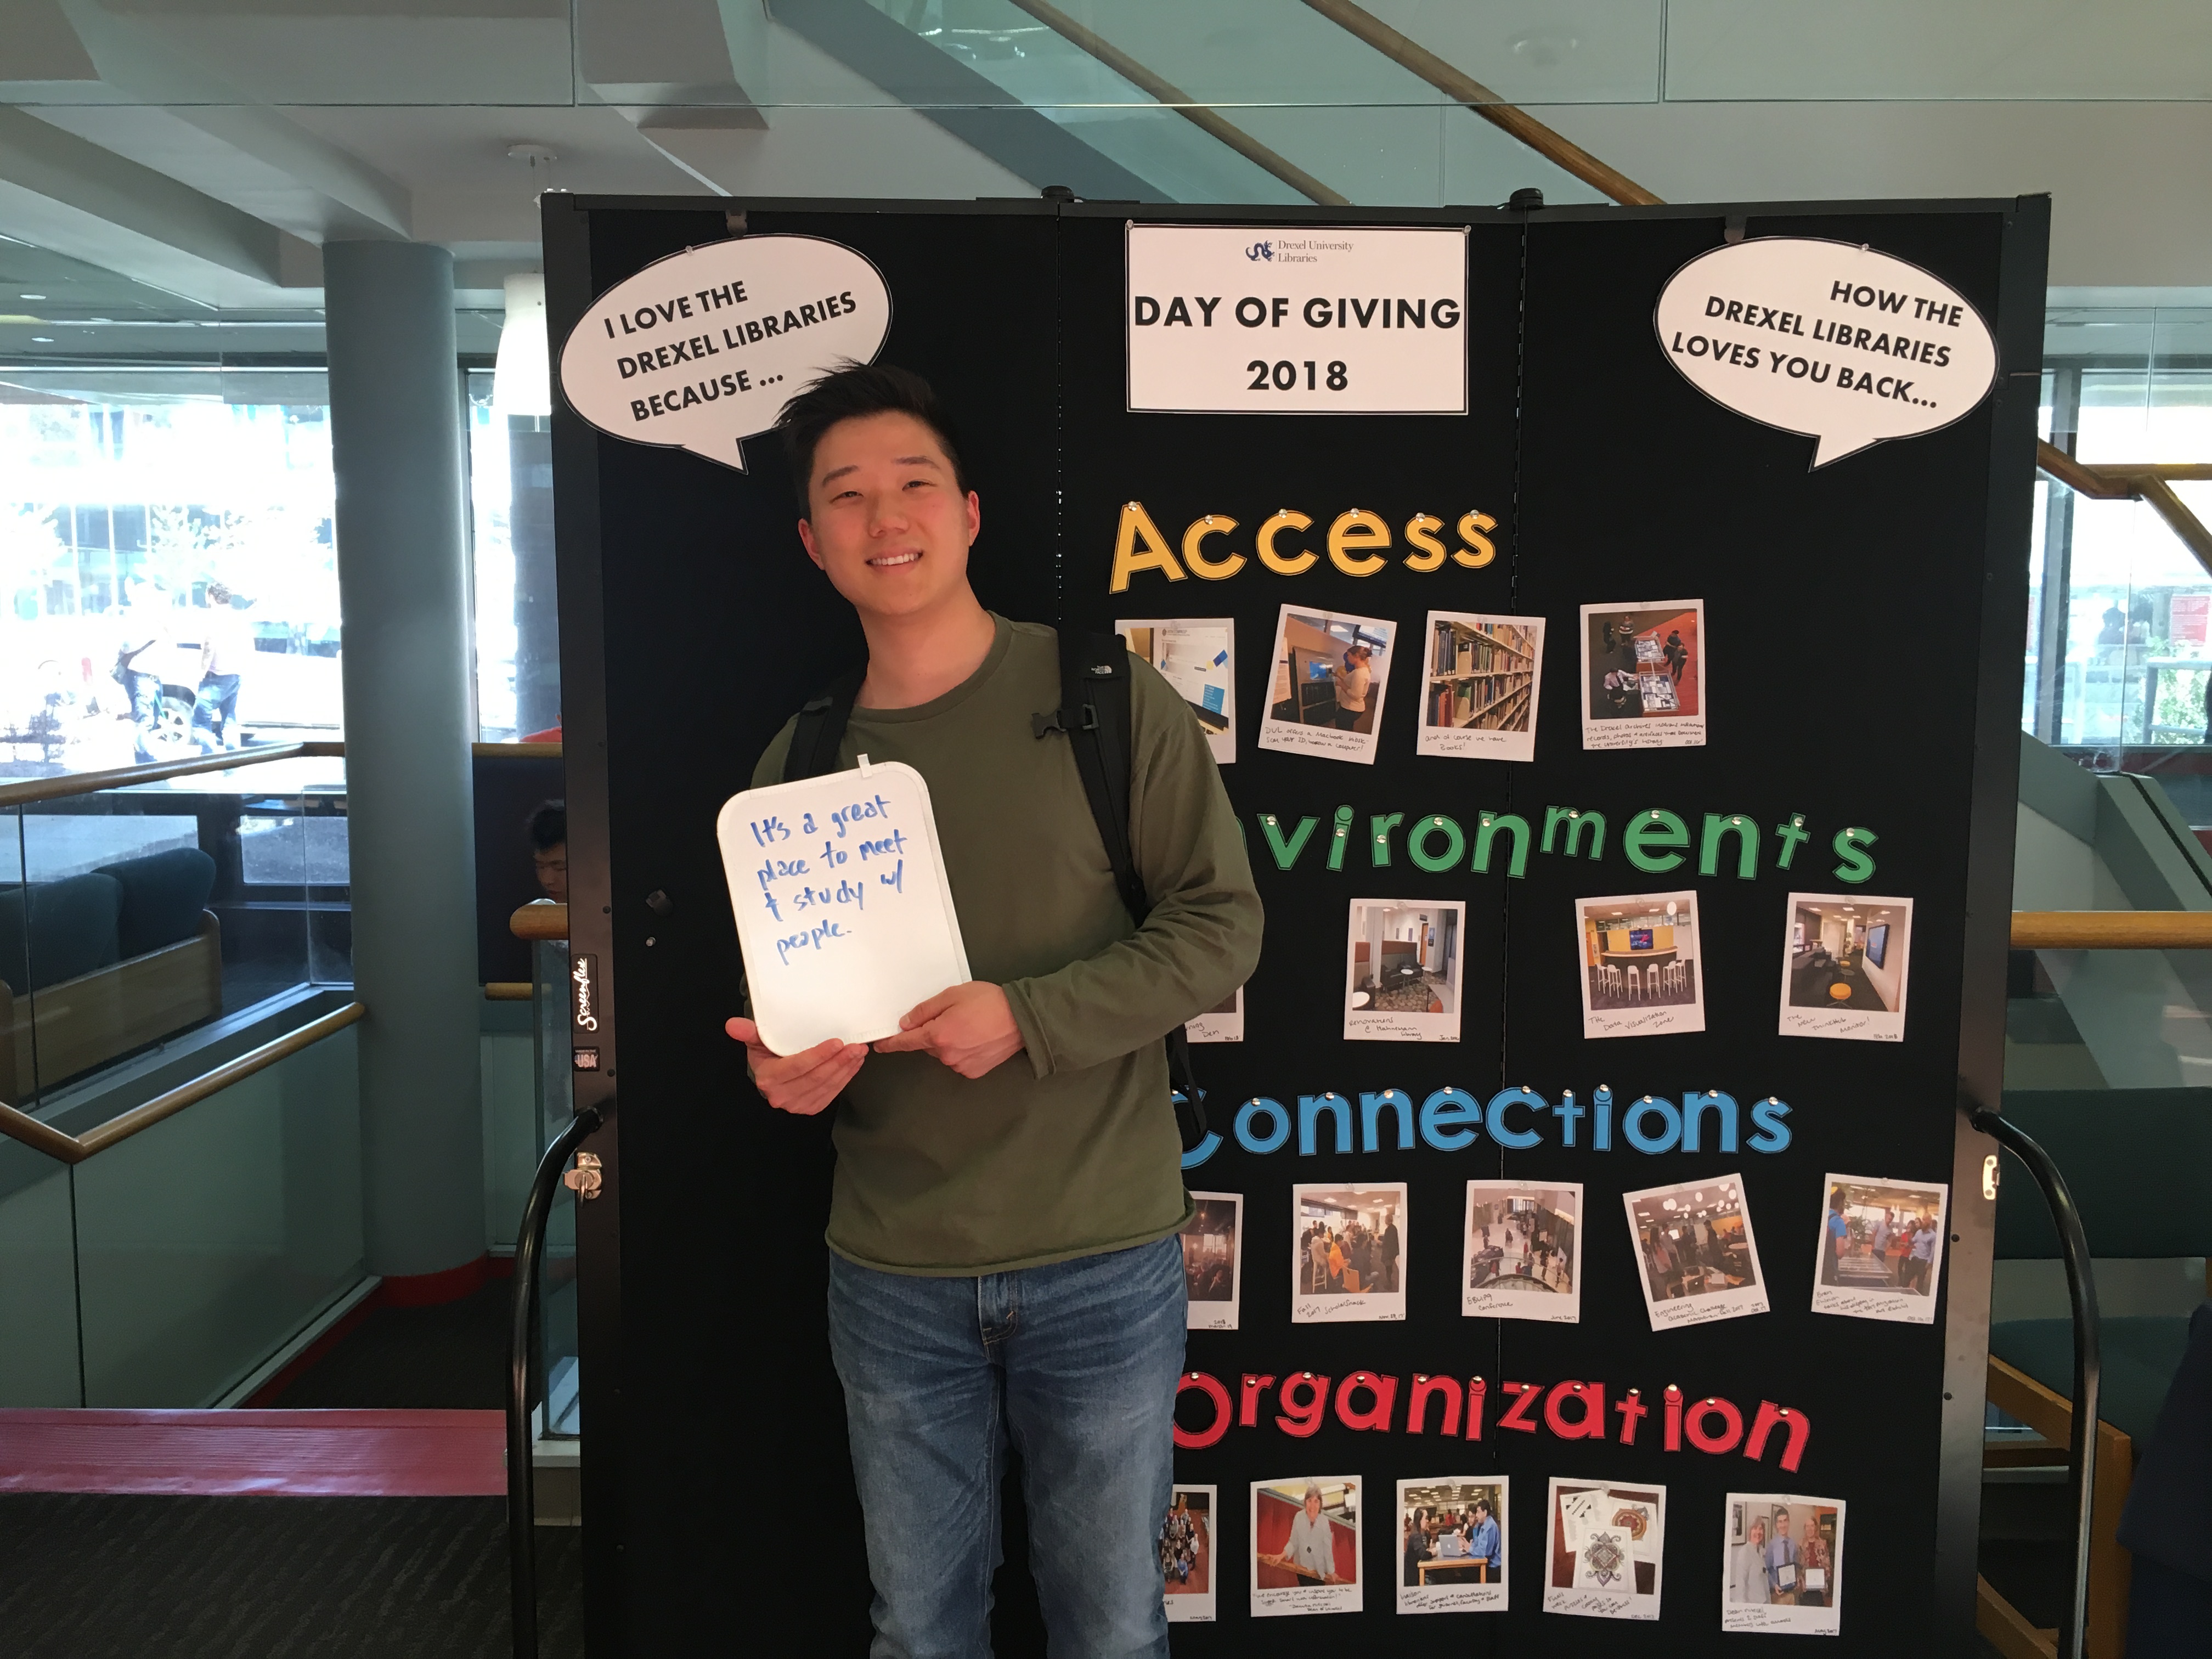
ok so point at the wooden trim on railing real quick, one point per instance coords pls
(2111, 930)
(2149, 481)
(75, 1148)
(508, 990)
(1206, 119)
(516, 751)
(1410, 54)
(539, 920)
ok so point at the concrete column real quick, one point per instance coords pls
(396, 449)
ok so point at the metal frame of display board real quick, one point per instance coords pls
(602, 924)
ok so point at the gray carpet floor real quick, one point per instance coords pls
(118, 1577)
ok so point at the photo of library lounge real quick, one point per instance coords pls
(1635, 956)
(1847, 955)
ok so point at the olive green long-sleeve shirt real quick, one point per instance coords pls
(1069, 1148)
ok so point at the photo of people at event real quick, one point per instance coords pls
(1187, 1552)
(1452, 1533)
(1784, 1552)
(1640, 964)
(1882, 1248)
(1404, 961)
(1521, 1250)
(1210, 1260)
(1329, 675)
(1644, 661)
(1847, 956)
(1350, 1241)
(1699, 1258)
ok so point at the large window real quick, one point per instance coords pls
(2119, 647)
(518, 636)
(168, 583)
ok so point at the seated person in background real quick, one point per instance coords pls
(1482, 1538)
(548, 824)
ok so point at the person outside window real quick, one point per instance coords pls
(1353, 681)
(225, 640)
(1004, 1211)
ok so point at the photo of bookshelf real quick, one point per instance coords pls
(1481, 684)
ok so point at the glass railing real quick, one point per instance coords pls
(176, 1050)
(557, 1347)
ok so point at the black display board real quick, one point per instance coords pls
(1861, 631)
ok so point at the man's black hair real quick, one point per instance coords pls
(850, 391)
(548, 824)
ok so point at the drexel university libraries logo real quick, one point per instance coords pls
(1261, 251)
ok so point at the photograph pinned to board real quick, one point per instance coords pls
(1187, 1555)
(1326, 684)
(1404, 960)
(1644, 674)
(1606, 1549)
(1694, 1245)
(1784, 1563)
(1641, 964)
(1213, 1259)
(1452, 1544)
(1843, 967)
(844, 913)
(1348, 1249)
(1305, 1545)
(1523, 1252)
(1198, 657)
(1223, 1023)
(1480, 686)
(1882, 1248)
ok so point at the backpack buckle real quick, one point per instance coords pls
(1045, 724)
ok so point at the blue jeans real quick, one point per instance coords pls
(1075, 1366)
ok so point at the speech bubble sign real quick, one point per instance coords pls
(1833, 339)
(702, 350)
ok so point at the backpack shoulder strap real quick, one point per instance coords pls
(1094, 712)
(821, 728)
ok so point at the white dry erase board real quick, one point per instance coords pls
(843, 910)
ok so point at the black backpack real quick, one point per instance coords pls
(1094, 716)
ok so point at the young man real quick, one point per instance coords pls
(1003, 1266)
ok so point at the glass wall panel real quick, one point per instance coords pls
(206, 1241)
(38, 1282)
(168, 583)
(2120, 642)
(154, 909)
(518, 631)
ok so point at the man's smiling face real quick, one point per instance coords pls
(886, 518)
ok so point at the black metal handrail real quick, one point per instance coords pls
(521, 1483)
(2088, 1361)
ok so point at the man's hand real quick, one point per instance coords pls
(969, 1027)
(804, 1083)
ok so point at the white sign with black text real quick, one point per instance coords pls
(1299, 319)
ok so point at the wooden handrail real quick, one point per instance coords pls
(2149, 481)
(1205, 118)
(23, 791)
(2111, 930)
(539, 920)
(75, 1148)
(1518, 124)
